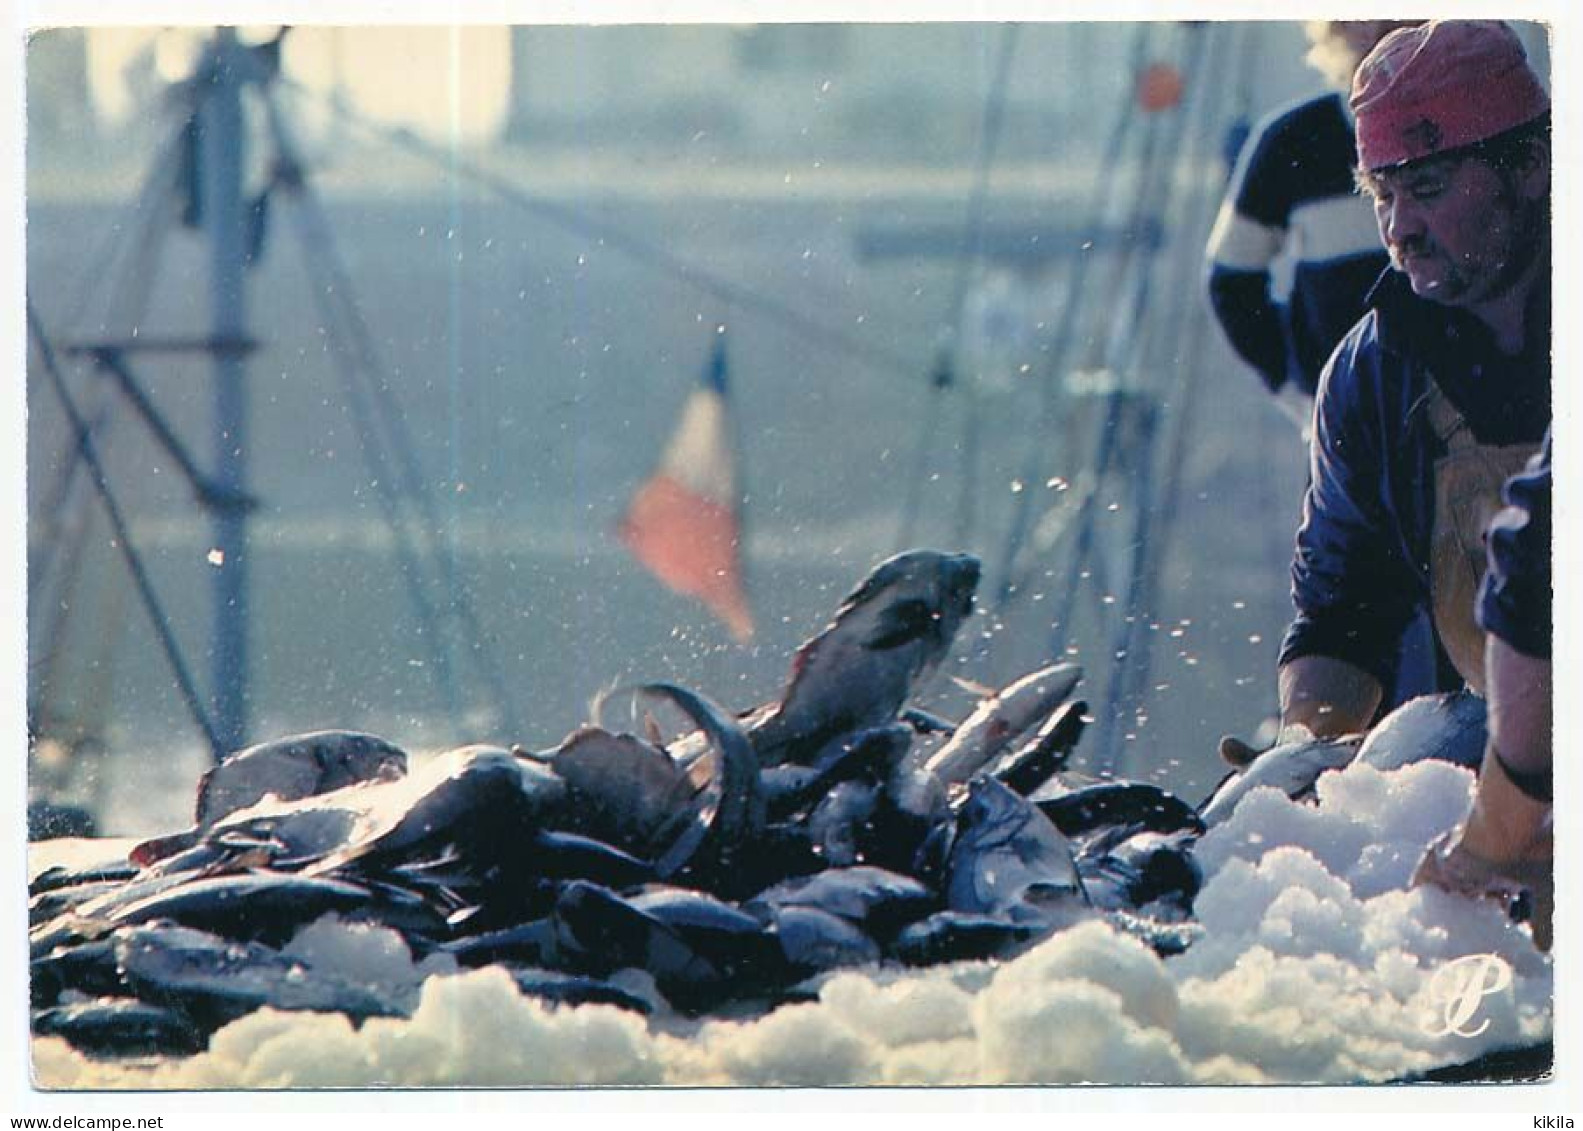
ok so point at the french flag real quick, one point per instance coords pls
(683, 522)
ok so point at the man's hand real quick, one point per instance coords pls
(1450, 864)
(1328, 697)
(1240, 755)
(1506, 846)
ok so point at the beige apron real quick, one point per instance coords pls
(1468, 482)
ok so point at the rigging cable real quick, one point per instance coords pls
(1114, 356)
(1152, 524)
(123, 539)
(360, 359)
(128, 298)
(943, 376)
(639, 250)
(1061, 341)
(65, 517)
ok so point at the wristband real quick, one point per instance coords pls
(1538, 785)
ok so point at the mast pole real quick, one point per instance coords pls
(220, 147)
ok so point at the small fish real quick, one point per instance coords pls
(479, 794)
(879, 901)
(911, 807)
(891, 632)
(863, 755)
(735, 942)
(267, 906)
(1450, 727)
(837, 822)
(47, 905)
(1000, 719)
(623, 789)
(1028, 768)
(1008, 857)
(215, 980)
(601, 932)
(1127, 870)
(729, 810)
(532, 944)
(1164, 868)
(86, 968)
(66, 862)
(813, 940)
(1127, 804)
(956, 936)
(121, 1027)
(300, 766)
(1292, 768)
(559, 988)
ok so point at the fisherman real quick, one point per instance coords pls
(1442, 390)
(1506, 843)
(1294, 196)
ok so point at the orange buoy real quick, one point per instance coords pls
(1159, 87)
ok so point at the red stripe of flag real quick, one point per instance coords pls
(682, 523)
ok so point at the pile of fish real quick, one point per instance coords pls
(732, 863)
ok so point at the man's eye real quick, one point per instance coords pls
(1426, 190)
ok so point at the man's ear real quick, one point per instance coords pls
(1533, 168)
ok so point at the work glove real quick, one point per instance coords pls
(1505, 847)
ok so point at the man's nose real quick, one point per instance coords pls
(1403, 220)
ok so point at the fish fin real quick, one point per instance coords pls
(900, 624)
(150, 851)
(973, 687)
(652, 731)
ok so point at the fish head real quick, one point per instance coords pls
(920, 595)
(347, 757)
(1447, 727)
(1005, 849)
(891, 631)
(990, 812)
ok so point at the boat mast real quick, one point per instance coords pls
(220, 151)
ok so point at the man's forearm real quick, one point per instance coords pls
(1520, 700)
(1329, 697)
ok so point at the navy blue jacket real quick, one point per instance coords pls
(1514, 601)
(1361, 567)
(1292, 198)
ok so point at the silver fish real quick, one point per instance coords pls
(728, 804)
(299, 766)
(999, 719)
(836, 823)
(813, 939)
(118, 1026)
(1451, 727)
(623, 789)
(1028, 768)
(957, 936)
(1008, 858)
(1292, 768)
(892, 631)
(877, 900)
(382, 818)
(215, 980)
